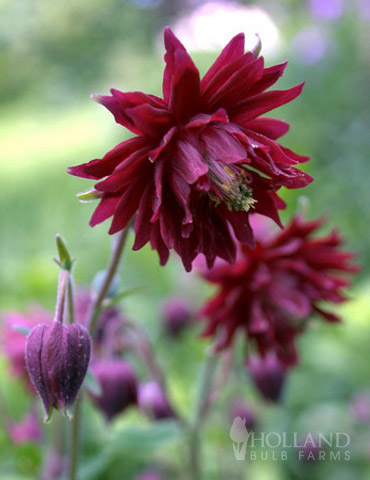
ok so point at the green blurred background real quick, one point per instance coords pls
(53, 55)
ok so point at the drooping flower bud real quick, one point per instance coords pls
(57, 358)
(268, 375)
(176, 317)
(154, 402)
(118, 385)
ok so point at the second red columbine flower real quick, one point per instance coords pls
(202, 158)
(270, 292)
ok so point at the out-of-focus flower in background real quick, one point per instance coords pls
(13, 339)
(154, 402)
(327, 9)
(239, 408)
(268, 375)
(311, 45)
(27, 430)
(271, 291)
(210, 25)
(118, 384)
(360, 408)
(176, 316)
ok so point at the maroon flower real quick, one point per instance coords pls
(118, 385)
(271, 291)
(202, 157)
(57, 358)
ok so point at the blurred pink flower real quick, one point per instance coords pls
(14, 341)
(27, 430)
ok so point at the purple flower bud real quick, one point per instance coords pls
(27, 430)
(240, 409)
(176, 317)
(154, 402)
(118, 385)
(268, 375)
(57, 358)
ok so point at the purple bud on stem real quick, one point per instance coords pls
(57, 358)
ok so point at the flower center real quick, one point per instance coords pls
(232, 185)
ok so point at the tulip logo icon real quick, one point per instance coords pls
(239, 435)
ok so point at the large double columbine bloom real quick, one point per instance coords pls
(270, 292)
(202, 158)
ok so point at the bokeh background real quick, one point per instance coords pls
(53, 55)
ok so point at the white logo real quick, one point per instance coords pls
(239, 435)
(313, 446)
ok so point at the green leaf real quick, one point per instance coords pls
(110, 302)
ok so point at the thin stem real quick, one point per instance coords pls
(202, 409)
(71, 310)
(53, 464)
(109, 275)
(75, 438)
(61, 296)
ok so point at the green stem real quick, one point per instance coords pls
(61, 296)
(109, 275)
(75, 438)
(202, 409)
(53, 464)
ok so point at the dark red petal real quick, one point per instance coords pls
(220, 146)
(104, 210)
(126, 207)
(236, 87)
(269, 127)
(270, 76)
(150, 121)
(203, 119)
(104, 166)
(142, 221)
(154, 154)
(119, 104)
(181, 83)
(225, 78)
(264, 102)
(233, 50)
(157, 243)
(188, 162)
(127, 172)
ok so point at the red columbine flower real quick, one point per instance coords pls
(271, 291)
(202, 158)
